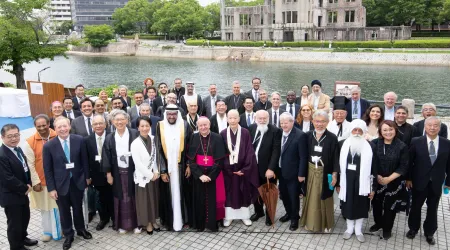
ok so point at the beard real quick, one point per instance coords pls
(318, 93)
(262, 128)
(356, 143)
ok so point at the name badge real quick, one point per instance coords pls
(351, 167)
(354, 116)
(70, 165)
(98, 158)
(318, 149)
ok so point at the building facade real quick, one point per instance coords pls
(302, 20)
(60, 10)
(88, 12)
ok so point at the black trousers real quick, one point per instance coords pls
(106, 201)
(17, 218)
(383, 216)
(259, 203)
(290, 196)
(418, 198)
(73, 199)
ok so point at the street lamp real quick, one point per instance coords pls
(392, 35)
(39, 73)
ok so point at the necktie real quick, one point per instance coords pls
(290, 111)
(257, 138)
(164, 101)
(275, 118)
(89, 125)
(67, 151)
(99, 145)
(284, 141)
(433, 155)
(69, 114)
(355, 108)
(248, 120)
(213, 105)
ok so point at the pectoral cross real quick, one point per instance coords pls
(205, 160)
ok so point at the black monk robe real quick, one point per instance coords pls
(205, 157)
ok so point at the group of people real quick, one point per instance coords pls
(177, 160)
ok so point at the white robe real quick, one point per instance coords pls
(334, 128)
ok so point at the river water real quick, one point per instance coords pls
(424, 84)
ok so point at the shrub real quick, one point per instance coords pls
(109, 90)
(430, 34)
(168, 47)
(98, 35)
(145, 37)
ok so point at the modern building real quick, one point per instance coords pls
(60, 10)
(303, 20)
(88, 12)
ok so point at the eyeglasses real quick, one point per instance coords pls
(15, 136)
(98, 124)
(430, 109)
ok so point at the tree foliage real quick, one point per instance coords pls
(22, 36)
(212, 18)
(135, 16)
(98, 35)
(64, 28)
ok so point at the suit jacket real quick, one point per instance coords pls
(79, 127)
(280, 111)
(324, 102)
(250, 93)
(364, 106)
(296, 108)
(229, 101)
(95, 169)
(214, 125)
(179, 94)
(76, 105)
(157, 102)
(133, 113)
(57, 176)
(420, 125)
(13, 179)
(183, 105)
(243, 120)
(420, 168)
(154, 119)
(269, 149)
(259, 105)
(294, 155)
(76, 113)
(126, 103)
(207, 105)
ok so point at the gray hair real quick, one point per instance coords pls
(288, 116)
(145, 104)
(61, 118)
(275, 93)
(102, 116)
(119, 112)
(432, 118)
(123, 87)
(391, 93)
(41, 116)
(429, 104)
(321, 112)
(236, 82)
(356, 89)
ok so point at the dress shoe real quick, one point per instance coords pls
(411, 234)
(85, 234)
(150, 232)
(360, 238)
(91, 216)
(29, 242)
(247, 222)
(374, 228)
(67, 243)
(346, 236)
(387, 235)
(227, 223)
(430, 240)
(101, 225)
(293, 226)
(268, 221)
(285, 218)
(256, 216)
(157, 229)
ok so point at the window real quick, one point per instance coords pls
(273, 18)
(283, 14)
(350, 16)
(332, 17)
(262, 20)
(288, 16)
(243, 19)
(332, 1)
(348, 1)
(294, 17)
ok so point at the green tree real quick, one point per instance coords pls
(394, 12)
(98, 35)
(445, 12)
(135, 16)
(212, 18)
(64, 28)
(241, 3)
(22, 38)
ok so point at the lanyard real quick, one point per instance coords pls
(318, 142)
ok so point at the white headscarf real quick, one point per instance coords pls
(365, 178)
(172, 136)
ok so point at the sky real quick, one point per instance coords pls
(206, 2)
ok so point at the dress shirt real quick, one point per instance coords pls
(435, 142)
(252, 116)
(86, 123)
(70, 115)
(278, 117)
(389, 114)
(25, 167)
(358, 106)
(103, 136)
(255, 95)
(213, 105)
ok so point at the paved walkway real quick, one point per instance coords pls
(257, 236)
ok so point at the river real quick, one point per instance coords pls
(424, 84)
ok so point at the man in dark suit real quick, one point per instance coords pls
(291, 106)
(248, 117)
(219, 121)
(190, 97)
(357, 106)
(275, 111)
(82, 125)
(171, 99)
(67, 173)
(94, 145)
(429, 167)
(79, 95)
(428, 110)
(144, 110)
(254, 92)
(293, 168)
(15, 184)
(133, 112)
(69, 112)
(263, 103)
(178, 89)
(266, 140)
(235, 100)
(209, 102)
(161, 100)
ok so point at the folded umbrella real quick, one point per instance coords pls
(269, 195)
(85, 208)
